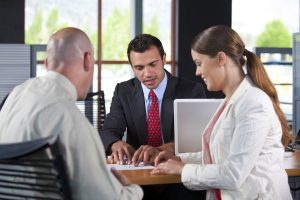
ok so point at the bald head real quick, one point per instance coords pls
(66, 47)
(70, 53)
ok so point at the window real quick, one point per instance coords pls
(249, 18)
(278, 64)
(115, 34)
(256, 26)
(157, 21)
(109, 26)
(42, 18)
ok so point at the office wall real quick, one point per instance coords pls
(12, 20)
(194, 16)
(14, 66)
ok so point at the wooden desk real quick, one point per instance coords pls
(143, 177)
(292, 163)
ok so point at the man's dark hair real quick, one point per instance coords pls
(143, 42)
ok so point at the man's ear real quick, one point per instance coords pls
(87, 61)
(164, 59)
(46, 63)
(222, 58)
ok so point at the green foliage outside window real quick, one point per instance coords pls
(274, 35)
(115, 33)
(38, 32)
(116, 36)
(152, 28)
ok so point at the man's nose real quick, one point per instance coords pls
(147, 71)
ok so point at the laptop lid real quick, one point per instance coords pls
(190, 119)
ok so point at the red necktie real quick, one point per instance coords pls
(154, 130)
(218, 194)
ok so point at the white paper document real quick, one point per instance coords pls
(130, 167)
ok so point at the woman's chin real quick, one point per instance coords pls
(212, 89)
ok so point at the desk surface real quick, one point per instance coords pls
(291, 163)
(143, 176)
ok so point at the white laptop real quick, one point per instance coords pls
(190, 119)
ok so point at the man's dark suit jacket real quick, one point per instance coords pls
(128, 111)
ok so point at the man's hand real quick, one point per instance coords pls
(146, 154)
(121, 153)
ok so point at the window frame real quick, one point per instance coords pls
(101, 61)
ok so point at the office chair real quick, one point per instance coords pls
(94, 108)
(33, 170)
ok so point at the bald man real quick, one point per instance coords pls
(44, 106)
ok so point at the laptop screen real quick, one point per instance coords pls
(190, 119)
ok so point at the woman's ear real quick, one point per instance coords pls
(222, 58)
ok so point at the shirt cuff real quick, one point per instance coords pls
(195, 158)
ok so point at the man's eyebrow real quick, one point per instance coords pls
(136, 66)
(152, 62)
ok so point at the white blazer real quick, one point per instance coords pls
(246, 151)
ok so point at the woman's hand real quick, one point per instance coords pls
(163, 156)
(171, 166)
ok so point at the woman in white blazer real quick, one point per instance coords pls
(243, 145)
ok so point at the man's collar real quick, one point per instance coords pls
(159, 91)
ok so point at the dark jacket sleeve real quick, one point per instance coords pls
(114, 124)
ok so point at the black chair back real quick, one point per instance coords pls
(94, 108)
(33, 170)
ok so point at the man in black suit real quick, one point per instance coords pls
(130, 104)
(129, 108)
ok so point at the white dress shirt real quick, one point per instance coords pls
(246, 151)
(44, 106)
